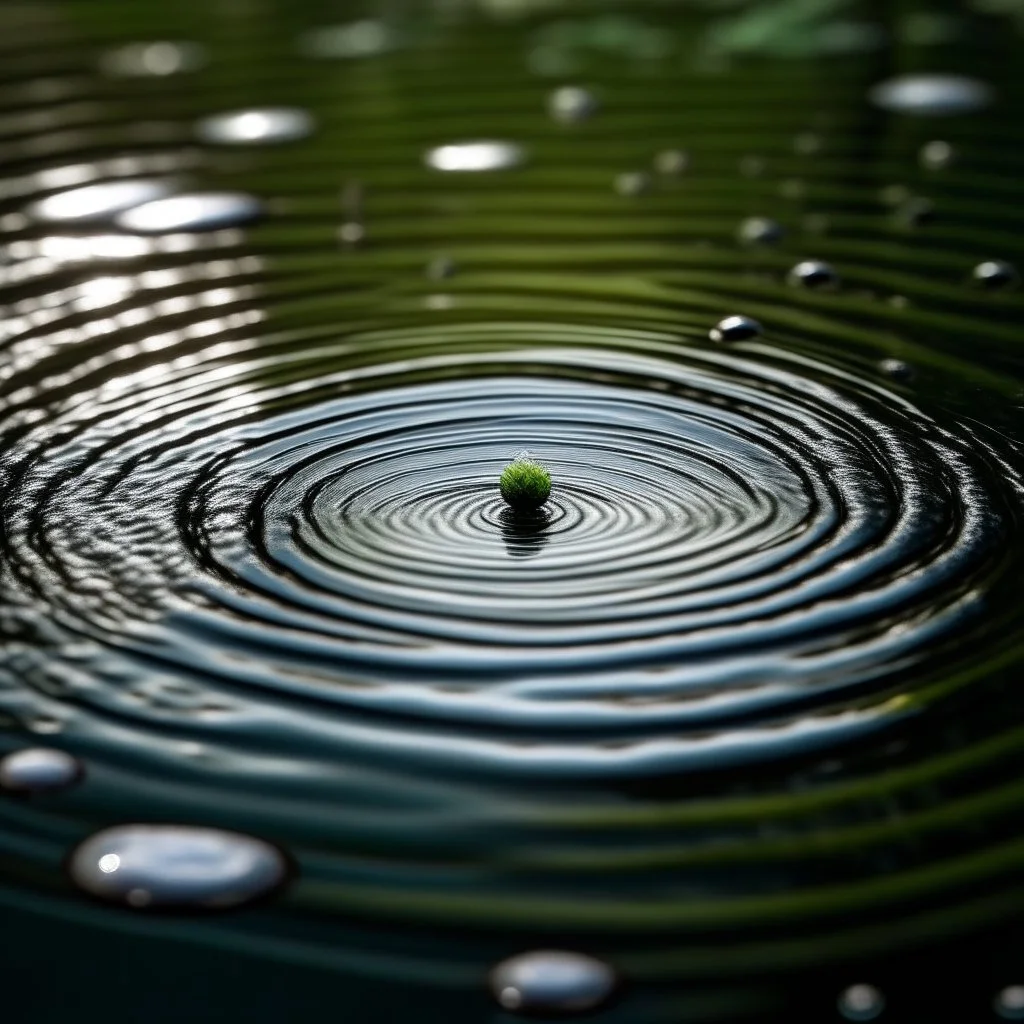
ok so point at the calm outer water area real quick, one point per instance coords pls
(298, 719)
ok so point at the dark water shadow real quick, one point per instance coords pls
(525, 533)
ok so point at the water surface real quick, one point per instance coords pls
(731, 730)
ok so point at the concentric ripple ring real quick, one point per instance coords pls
(731, 549)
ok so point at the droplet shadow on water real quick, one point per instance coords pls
(525, 533)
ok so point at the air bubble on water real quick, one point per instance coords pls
(471, 157)
(861, 1002)
(192, 211)
(176, 867)
(995, 274)
(571, 104)
(352, 233)
(552, 982)
(39, 769)
(672, 162)
(813, 274)
(1009, 1003)
(936, 155)
(633, 183)
(931, 95)
(258, 126)
(155, 59)
(760, 231)
(96, 202)
(736, 328)
(897, 370)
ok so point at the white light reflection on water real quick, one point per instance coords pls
(196, 211)
(932, 95)
(260, 126)
(92, 202)
(475, 156)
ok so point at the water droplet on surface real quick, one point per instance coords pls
(475, 156)
(572, 104)
(861, 1002)
(736, 328)
(672, 162)
(352, 233)
(267, 126)
(760, 231)
(897, 370)
(176, 867)
(96, 202)
(931, 95)
(813, 274)
(194, 211)
(936, 155)
(995, 274)
(1009, 1003)
(552, 981)
(39, 769)
(633, 183)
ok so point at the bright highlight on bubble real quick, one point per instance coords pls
(472, 157)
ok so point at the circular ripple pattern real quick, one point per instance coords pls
(728, 545)
(741, 702)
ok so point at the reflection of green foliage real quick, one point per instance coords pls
(561, 47)
(793, 28)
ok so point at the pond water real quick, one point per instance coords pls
(298, 717)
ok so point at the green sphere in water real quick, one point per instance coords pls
(525, 485)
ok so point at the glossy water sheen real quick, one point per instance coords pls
(732, 724)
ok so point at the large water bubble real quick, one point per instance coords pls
(176, 867)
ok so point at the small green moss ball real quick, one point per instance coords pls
(525, 485)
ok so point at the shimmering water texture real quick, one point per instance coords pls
(283, 675)
(735, 559)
